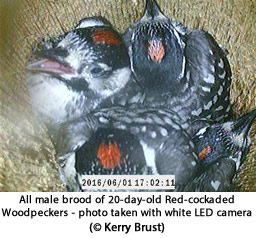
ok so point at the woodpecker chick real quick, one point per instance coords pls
(182, 69)
(222, 149)
(108, 152)
(73, 74)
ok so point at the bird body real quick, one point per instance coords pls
(210, 152)
(180, 69)
(151, 129)
(167, 146)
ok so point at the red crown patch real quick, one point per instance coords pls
(207, 150)
(156, 51)
(105, 37)
(109, 155)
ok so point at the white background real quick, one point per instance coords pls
(71, 226)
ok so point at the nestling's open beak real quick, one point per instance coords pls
(50, 61)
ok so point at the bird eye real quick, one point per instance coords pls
(97, 70)
(100, 71)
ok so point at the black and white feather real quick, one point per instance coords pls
(72, 74)
(178, 68)
(109, 151)
(167, 145)
(221, 149)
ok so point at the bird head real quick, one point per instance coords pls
(225, 140)
(156, 50)
(111, 151)
(78, 70)
(108, 152)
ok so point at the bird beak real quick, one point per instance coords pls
(243, 124)
(50, 61)
(152, 12)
